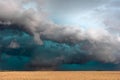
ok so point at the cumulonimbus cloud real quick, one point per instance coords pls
(92, 44)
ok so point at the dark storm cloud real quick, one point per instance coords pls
(69, 44)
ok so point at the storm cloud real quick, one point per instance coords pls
(29, 32)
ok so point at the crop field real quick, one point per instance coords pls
(60, 75)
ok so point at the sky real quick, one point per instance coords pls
(59, 35)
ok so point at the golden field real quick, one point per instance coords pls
(60, 75)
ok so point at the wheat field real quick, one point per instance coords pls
(60, 75)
